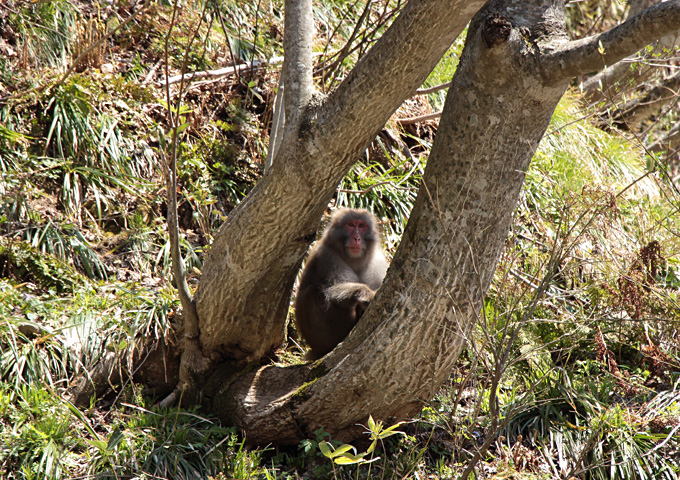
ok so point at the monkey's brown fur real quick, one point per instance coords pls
(339, 280)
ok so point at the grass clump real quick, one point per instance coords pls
(571, 371)
(41, 438)
(24, 263)
(169, 444)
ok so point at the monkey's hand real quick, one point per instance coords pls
(353, 297)
(349, 294)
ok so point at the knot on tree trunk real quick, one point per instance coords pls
(496, 30)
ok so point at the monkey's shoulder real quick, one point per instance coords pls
(373, 277)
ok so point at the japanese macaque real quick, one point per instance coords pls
(343, 272)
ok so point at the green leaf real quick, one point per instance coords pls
(372, 447)
(600, 47)
(328, 451)
(183, 127)
(78, 414)
(349, 459)
(115, 439)
(325, 448)
(371, 423)
(342, 449)
(98, 444)
(388, 432)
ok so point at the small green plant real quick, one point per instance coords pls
(39, 433)
(346, 454)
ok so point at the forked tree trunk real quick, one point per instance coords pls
(407, 342)
(248, 275)
(515, 67)
(243, 297)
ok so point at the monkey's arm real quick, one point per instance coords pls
(349, 294)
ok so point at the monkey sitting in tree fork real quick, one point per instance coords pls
(340, 278)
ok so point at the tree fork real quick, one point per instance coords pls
(410, 337)
(247, 279)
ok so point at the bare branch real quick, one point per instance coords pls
(436, 88)
(386, 67)
(635, 111)
(278, 123)
(179, 270)
(375, 185)
(669, 141)
(596, 52)
(298, 64)
(226, 35)
(347, 48)
(192, 359)
(418, 119)
(220, 72)
(591, 87)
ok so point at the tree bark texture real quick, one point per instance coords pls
(515, 67)
(298, 66)
(243, 296)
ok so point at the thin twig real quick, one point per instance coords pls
(256, 33)
(226, 36)
(221, 71)
(152, 72)
(345, 50)
(436, 88)
(325, 53)
(387, 182)
(419, 119)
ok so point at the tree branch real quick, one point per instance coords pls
(669, 141)
(596, 52)
(192, 358)
(419, 118)
(635, 111)
(220, 72)
(591, 87)
(179, 270)
(436, 88)
(388, 67)
(297, 69)
(278, 123)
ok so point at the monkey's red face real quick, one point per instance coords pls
(356, 242)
